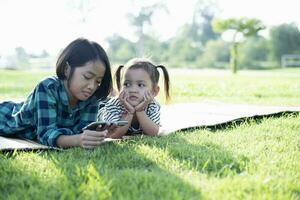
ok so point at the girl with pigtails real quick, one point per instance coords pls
(137, 83)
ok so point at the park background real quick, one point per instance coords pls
(254, 158)
(177, 34)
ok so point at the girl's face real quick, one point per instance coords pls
(136, 83)
(84, 82)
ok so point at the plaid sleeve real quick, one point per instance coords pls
(86, 116)
(153, 112)
(46, 110)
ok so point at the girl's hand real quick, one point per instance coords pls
(110, 129)
(91, 139)
(123, 99)
(147, 99)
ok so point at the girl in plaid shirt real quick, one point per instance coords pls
(136, 103)
(60, 106)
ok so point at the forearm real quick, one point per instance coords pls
(147, 125)
(66, 141)
(118, 132)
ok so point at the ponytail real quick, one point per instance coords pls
(166, 81)
(118, 77)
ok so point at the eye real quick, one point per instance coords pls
(141, 85)
(126, 84)
(86, 77)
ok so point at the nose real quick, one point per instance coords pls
(132, 89)
(92, 84)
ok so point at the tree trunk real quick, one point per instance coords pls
(141, 41)
(233, 57)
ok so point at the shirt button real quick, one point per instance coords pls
(70, 115)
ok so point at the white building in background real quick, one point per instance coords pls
(290, 60)
(12, 62)
(8, 62)
(42, 63)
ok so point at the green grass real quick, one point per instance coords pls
(18, 84)
(275, 87)
(257, 159)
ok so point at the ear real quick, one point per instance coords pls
(155, 90)
(67, 71)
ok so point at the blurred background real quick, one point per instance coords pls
(250, 34)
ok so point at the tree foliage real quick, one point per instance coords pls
(198, 44)
(246, 27)
(143, 18)
(284, 39)
(120, 49)
(201, 27)
(216, 54)
(253, 53)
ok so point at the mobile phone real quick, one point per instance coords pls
(102, 125)
(120, 123)
(94, 125)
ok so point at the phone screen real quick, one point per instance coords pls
(120, 123)
(101, 125)
(94, 125)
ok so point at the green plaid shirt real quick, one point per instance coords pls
(46, 114)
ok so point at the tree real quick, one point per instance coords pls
(201, 27)
(244, 27)
(189, 43)
(254, 52)
(155, 49)
(120, 49)
(141, 20)
(216, 54)
(183, 49)
(284, 39)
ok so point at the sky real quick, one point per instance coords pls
(52, 24)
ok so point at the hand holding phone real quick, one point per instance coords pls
(102, 125)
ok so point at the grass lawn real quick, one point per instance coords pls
(258, 159)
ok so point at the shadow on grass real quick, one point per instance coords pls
(114, 170)
(139, 168)
(122, 172)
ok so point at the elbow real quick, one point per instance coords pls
(153, 132)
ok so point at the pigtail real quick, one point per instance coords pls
(118, 77)
(166, 81)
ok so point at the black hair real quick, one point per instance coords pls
(151, 69)
(77, 54)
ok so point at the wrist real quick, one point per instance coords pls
(65, 141)
(78, 139)
(140, 109)
(142, 112)
(128, 112)
(127, 115)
